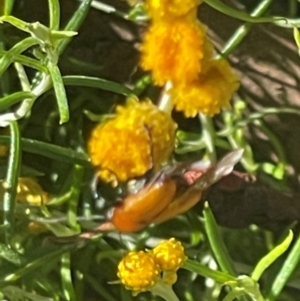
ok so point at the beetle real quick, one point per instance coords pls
(172, 191)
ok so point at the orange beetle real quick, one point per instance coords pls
(173, 191)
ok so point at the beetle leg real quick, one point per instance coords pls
(105, 227)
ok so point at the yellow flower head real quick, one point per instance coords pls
(36, 228)
(139, 138)
(29, 191)
(169, 255)
(174, 50)
(210, 93)
(158, 9)
(138, 271)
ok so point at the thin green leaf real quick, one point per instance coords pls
(208, 139)
(75, 23)
(36, 264)
(81, 267)
(60, 200)
(296, 35)
(285, 272)
(49, 288)
(10, 255)
(95, 82)
(11, 99)
(66, 277)
(109, 9)
(234, 13)
(11, 180)
(51, 151)
(142, 84)
(54, 14)
(24, 172)
(277, 171)
(267, 260)
(202, 270)
(18, 23)
(73, 203)
(62, 34)
(60, 230)
(60, 93)
(16, 50)
(27, 61)
(216, 242)
(265, 112)
(15, 293)
(8, 6)
(98, 287)
(244, 29)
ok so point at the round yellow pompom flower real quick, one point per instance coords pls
(36, 228)
(139, 138)
(174, 51)
(138, 271)
(158, 9)
(208, 94)
(29, 191)
(169, 255)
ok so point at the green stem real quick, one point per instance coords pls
(243, 30)
(208, 135)
(97, 83)
(60, 93)
(165, 291)
(108, 9)
(196, 267)
(75, 23)
(8, 6)
(285, 272)
(51, 151)
(165, 102)
(66, 277)
(11, 180)
(54, 14)
(216, 242)
(234, 13)
(25, 107)
(264, 112)
(26, 61)
(16, 50)
(77, 175)
(268, 259)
